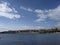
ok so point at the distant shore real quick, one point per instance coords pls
(35, 31)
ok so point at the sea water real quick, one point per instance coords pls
(29, 39)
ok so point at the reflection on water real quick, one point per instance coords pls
(29, 39)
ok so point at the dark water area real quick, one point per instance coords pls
(29, 39)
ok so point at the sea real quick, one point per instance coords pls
(29, 39)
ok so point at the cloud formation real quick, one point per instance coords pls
(53, 14)
(27, 9)
(6, 11)
(41, 15)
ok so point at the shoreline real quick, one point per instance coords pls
(32, 33)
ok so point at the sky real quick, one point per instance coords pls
(29, 14)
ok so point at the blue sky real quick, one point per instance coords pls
(29, 14)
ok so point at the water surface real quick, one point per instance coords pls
(29, 39)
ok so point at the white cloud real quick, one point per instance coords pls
(6, 11)
(39, 27)
(27, 9)
(41, 14)
(39, 11)
(42, 17)
(53, 14)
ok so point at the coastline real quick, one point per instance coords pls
(33, 31)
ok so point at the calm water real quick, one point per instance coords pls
(29, 39)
